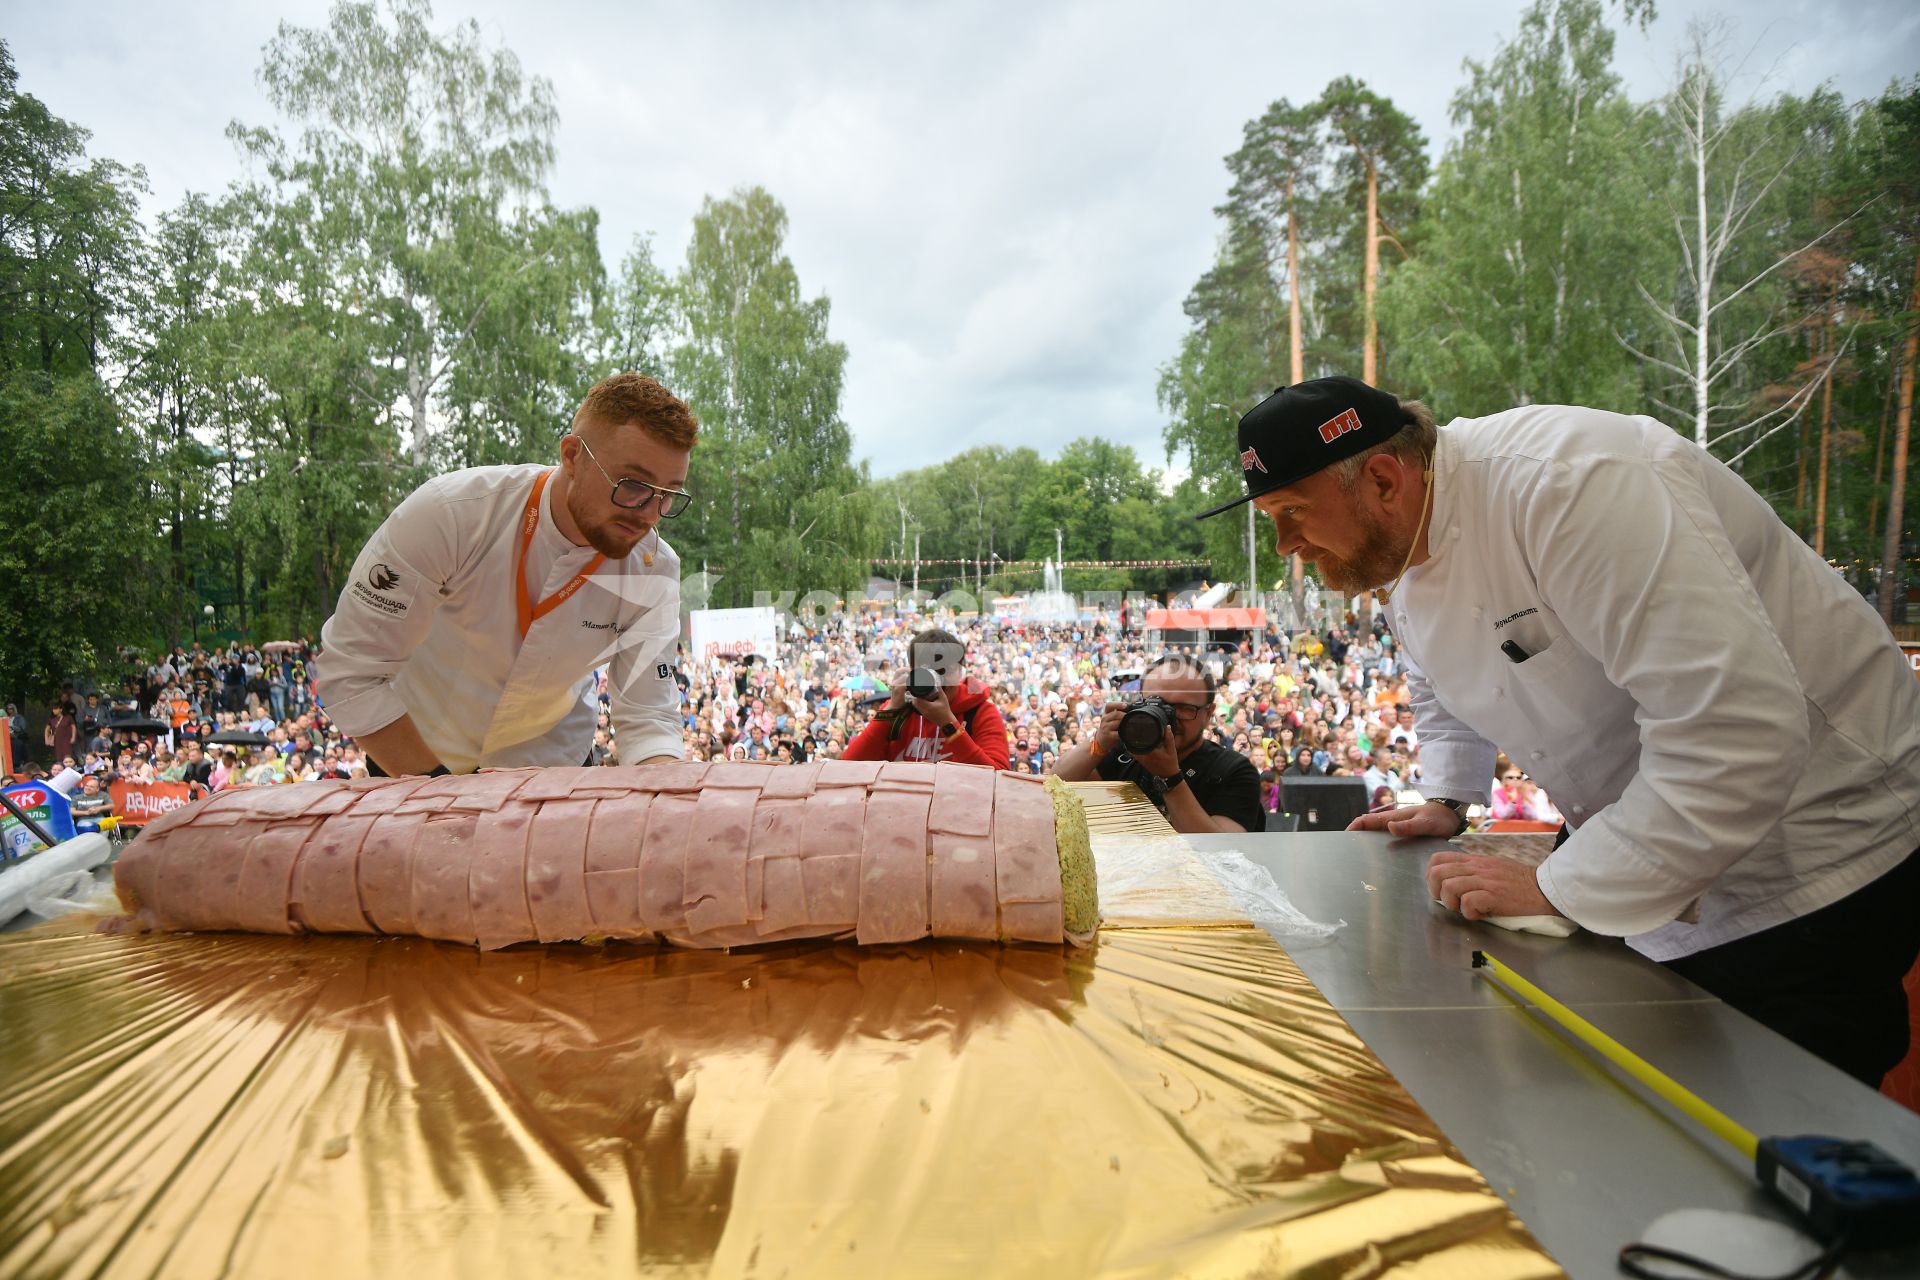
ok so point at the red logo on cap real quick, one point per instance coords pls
(1338, 425)
(1249, 460)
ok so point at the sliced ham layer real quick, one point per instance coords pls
(707, 855)
(1026, 861)
(893, 868)
(556, 871)
(326, 882)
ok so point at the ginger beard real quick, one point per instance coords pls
(1373, 562)
(604, 532)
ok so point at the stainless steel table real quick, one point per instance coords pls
(1586, 1158)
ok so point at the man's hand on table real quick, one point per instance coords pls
(1478, 886)
(1435, 820)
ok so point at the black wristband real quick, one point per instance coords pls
(1459, 808)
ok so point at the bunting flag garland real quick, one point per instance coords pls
(997, 566)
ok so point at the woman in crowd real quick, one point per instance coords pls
(1303, 765)
(61, 730)
(1515, 797)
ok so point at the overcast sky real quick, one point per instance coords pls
(1005, 202)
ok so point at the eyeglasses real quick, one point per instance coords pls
(634, 495)
(1184, 713)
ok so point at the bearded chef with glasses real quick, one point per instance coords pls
(476, 615)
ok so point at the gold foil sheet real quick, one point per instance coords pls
(1148, 876)
(1168, 1102)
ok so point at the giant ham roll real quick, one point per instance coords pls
(701, 855)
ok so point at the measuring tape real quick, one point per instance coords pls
(1844, 1188)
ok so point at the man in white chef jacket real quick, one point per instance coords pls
(477, 613)
(1729, 729)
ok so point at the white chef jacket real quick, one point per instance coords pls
(428, 626)
(1723, 719)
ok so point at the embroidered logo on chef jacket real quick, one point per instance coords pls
(1514, 617)
(377, 590)
(615, 627)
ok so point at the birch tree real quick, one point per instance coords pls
(417, 147)
(779, 503)
(1734, 237)
(1533, 229)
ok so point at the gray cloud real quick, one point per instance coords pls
(1006, 203)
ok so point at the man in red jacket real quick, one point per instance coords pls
(959, 723)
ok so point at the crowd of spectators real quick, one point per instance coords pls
(1319, 702)
(211, 718)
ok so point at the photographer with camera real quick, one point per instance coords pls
(1157, 741)
(933, 712)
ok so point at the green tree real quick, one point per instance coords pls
(424, 157)
(1888, 286)
(68, 237)
(1533, 232)
(965, 508)
(74, 511)
(1384, 165)
(1735, 230)
(1277, 175)
(779, 503)
(74, 520)
(175, 367)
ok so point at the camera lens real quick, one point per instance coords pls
(924, 682)
(1144, 726)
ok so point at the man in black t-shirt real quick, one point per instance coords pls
(1201, 786)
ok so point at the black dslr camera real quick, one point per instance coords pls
(1145, 724)
(922, 682)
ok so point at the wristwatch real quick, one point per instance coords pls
(1459, 808)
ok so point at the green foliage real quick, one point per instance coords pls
(68, 237)
(74, 526)
(779, 506)
(1534, 234)
(222, 408)
(75, 511)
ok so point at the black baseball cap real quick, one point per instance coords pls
(1308, 426)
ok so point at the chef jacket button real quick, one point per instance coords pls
(1454, 532)
(1499, 692)
(1539, 755)
(1476, 611)
(1579, 808)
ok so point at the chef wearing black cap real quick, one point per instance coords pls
(1729, 728)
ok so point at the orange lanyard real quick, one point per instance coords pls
(530, 612)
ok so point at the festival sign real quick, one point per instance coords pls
(139, 802)
(733, 633)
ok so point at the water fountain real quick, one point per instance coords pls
(1050, 603)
